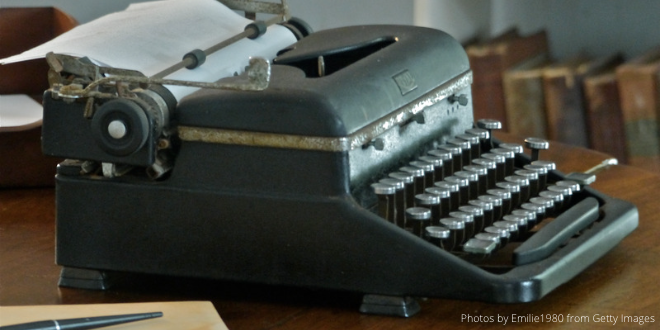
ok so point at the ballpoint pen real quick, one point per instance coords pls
(82, 323)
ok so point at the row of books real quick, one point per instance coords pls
(607, 104)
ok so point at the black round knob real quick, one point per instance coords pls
(120, 127)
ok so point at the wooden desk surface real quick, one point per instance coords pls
(624, 282)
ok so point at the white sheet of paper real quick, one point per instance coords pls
(151, 36)
(19, 112)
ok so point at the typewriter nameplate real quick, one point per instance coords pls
(330, 144)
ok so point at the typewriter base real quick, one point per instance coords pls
(88, 279)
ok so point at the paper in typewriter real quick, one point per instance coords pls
(151, 36)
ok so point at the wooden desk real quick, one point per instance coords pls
(625, 281)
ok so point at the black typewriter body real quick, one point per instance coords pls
(274, 186)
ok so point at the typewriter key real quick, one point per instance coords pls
(516, 148)
(457, 229)
(484, 138)
(399, 199)
(409, 188)
(431, 202)
(536, 145)
(542, 173)
(487, 209)
(548, 203)
(533, 177)
(505, 196)
(447, 161)
(491, 168)
(537, 208)
(386, 203)
(514, 189)
(439, 236)
(479, 246)
(490, 125)
(511, 226)
(419, 178)
(464, 188)
(502, 232)
(519, 220)
(549, 165)
(437, 167)
(500, 162)
(454, 190)
(566, 191)
(509, 158)
(418, 218)
(466, 150)
(490, 237)
(468, 220)
(482, 172)
(429, 176)
(530, 217)
(575, 187)
(475, 147)
(457, 156)
(445, 199)
(496, 201)
(523, 182)
(557, 197)
(477, 214)
(473, 183)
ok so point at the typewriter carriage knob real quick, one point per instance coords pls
(120, 127)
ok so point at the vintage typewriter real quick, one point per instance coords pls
(356, 166)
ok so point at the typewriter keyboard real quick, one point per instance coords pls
(486, 202)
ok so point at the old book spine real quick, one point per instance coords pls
(638, 88)
(604, 115)
(489, 61)
(565, 112)
(525, 102)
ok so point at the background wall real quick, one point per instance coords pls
(597, 27)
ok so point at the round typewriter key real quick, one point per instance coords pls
(482, 173)
(519, 220)
(468, 220)
(409, 186)
(523, 182)
(536, 145)
(447, 161)
(548, 203)
(498, 212)
(549, 165)
(437, 166)
(491, 168)
(473, 183)
(466, 150)
(557, 197)
(385, 193)
(542, 173)
(487, 208)
(509, 157)
(483, 135)
(489, 237)
(514, 189)
(505, 196)
(445, 198)
(516, 148)
(511, 226)
(464, 188)
(457, 229)
(457, 156)
(500, 162)
(502, 232)
(538, 209)
(529, 215)
(533, 177)
(429, 169)
(431, 202)
(454, 190)
(399, 199)
(490, 125)
(439, 236)
(477, 214)
(575, 187)
(418, 174)
(566, 191)
(475, 147)
(418, 218)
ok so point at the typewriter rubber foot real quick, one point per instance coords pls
(81, 278)
(389, 305)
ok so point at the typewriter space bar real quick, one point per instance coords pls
(545, 241)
